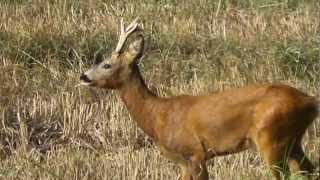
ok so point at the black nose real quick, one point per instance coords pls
(84, 78)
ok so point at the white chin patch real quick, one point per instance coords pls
(82, 83)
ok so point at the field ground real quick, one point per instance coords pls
(52, 129)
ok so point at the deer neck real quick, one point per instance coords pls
(140, 102)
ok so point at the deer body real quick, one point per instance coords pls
(192, 129)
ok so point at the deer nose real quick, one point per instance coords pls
(84, 78)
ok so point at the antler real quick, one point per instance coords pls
(125, 33)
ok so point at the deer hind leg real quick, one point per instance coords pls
(194, 169)
(298, 161)
(198, 170)
(193, 172)
(274, 155)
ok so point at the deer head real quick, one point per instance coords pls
(115, 70)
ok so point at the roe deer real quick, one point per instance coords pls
(193, 129)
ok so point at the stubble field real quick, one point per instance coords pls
(52, 129)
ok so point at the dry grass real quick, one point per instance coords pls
(51, 129)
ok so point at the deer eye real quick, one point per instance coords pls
(107, 66)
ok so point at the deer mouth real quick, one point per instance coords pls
(84, 80)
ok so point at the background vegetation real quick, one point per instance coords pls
(51, 129)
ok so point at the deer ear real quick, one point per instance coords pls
(135, 50)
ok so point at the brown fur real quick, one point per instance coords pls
(192, 129)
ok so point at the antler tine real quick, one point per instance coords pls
(125, 33)
(133, 25)
(121, 26)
